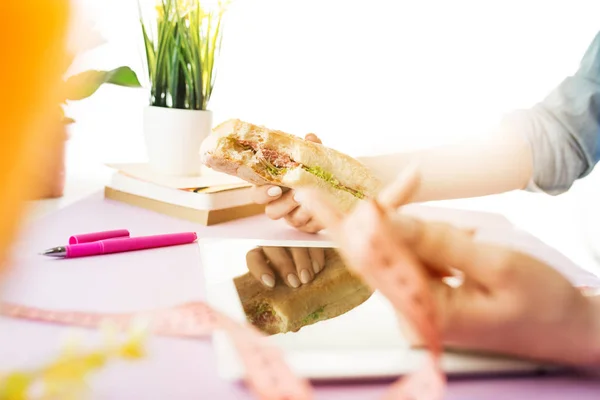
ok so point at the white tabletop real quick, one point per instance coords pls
(180, 368)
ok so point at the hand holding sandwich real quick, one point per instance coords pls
(283, 205)
(272, 159)
(292, 266)
(295, 266)
(507, 302)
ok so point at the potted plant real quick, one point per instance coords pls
(77, 87)
(182, 40)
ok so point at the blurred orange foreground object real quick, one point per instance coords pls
(34, 59)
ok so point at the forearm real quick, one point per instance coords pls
(475, 168)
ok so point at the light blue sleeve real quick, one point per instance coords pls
(564, 129)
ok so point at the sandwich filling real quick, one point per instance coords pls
(277, 163)
(262, 316)
(313, 316)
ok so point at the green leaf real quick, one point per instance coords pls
(166, 29)
(150, 55)
(186, 50)
(175, 68)
(181, 56)
(85, 84)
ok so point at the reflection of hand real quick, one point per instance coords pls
(507, 302)
(283, 205)
(294, 265)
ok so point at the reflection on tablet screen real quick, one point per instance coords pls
(334, 291)
(335, 310)
(331, 327)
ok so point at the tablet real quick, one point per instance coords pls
(365, 342)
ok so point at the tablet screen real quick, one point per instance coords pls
(332, 327)
(334, 308)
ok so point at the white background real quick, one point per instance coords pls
(367, 77)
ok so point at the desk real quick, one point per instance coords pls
(175, 369)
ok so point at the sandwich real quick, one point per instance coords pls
(265, 156)
(333, 292)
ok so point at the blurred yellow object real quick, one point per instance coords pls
(34, 58)
(66, 377)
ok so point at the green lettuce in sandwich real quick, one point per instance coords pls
(265, 156)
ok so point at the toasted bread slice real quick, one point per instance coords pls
(333, 292)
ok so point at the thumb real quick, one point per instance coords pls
(402, 189)
(311, 137)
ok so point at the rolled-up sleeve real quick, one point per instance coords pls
(564, 129)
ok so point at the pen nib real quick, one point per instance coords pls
(55, 252)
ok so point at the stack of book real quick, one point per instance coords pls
(208, 199)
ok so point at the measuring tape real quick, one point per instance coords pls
(266, 371)
(382, 262)
(268, 375)
(264, 363)
(188, 320)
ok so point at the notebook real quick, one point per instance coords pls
(207, 199)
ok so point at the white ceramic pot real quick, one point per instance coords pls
(173, 138)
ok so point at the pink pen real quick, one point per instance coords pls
(95, 236)
(118, 245)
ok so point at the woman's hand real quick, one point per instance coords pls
(507, 302)
(283, 205)
(293, 265)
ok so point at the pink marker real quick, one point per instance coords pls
(118, 245)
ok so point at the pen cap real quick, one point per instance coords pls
(95, 236)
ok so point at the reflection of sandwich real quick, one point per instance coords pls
(265, 156)
(333, 292)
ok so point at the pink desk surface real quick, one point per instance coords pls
(183, 369)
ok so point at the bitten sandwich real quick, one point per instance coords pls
(264, 156)
(333, 292)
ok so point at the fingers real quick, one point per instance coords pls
(284, 206)
(317, 257)
(441, 245)
(402, 189)
(295, 266)
(313, 138)
(303, 263)
(323, 211)
(312, 226)
(283, 264)
(265, 194)
(281, 207)
(259, 267)
(298, 217)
